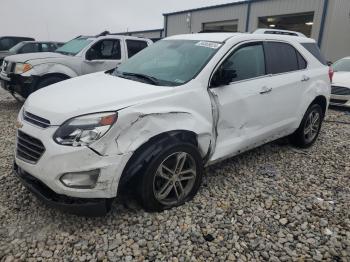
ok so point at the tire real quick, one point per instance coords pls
(306, 135)
(152, 181)
(49, 81)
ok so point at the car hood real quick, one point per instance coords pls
(341, 79)
(98, 92)
(5, 53)
(34, 57)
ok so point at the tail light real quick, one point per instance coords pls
(331, 74)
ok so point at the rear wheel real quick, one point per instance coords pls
(310, 127)
(171, 178)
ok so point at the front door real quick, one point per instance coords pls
(102, 56)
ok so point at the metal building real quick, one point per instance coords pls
(154, 34)
(326, 21)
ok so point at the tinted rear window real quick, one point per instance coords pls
(315, 51)
(135, 46)
(280, 58)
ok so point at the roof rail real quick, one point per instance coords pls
(278, 32)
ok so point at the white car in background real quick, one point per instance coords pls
(152, 125)
(341, 83)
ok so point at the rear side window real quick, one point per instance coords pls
(280, 58)
(135, 46)
(315, 51)
(301, 61)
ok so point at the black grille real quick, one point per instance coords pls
(9, 67)
(36, 120)
(340, 91)
(338, 101)
(29, 148)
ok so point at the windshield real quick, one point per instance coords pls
(17, 47)
(342, 65)
(74, 46)
(169, 62)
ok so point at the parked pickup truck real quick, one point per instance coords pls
(150, 126)
(30, 47)
(23, 74)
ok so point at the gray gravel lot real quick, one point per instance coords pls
(275, 203)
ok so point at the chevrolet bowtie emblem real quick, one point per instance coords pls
(19, 124)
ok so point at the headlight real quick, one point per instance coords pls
(21, 68)
(84, 130)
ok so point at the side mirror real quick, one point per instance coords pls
(223, 77)
(91, 55)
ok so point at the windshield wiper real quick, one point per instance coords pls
(148, 78)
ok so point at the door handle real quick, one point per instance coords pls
(265, 90)
(305, 78)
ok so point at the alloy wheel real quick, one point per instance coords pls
(174, 179)
(312, 126)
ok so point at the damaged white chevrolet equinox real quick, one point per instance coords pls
(151, 125)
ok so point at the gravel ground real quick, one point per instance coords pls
(274, 203)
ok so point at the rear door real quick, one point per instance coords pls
(287, 68)
(135, 46)
(104, 55)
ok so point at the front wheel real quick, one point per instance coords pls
(171, 178)
(310, 127)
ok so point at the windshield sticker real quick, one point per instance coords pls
(208, 44)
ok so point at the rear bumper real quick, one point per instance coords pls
(18, 84)
(77, 206)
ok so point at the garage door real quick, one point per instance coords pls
(295, 22)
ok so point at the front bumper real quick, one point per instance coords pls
(340, 100)
(58, 160)
(22, 85)
(77, 206)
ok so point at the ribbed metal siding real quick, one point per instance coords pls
(177, 24)
(335, 44)
(284, 7)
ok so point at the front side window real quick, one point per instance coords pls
(74, 46)
(135, 46)
(245, 63)
(280, 58)
(342, 65)
(108, 49)
(45, 47)
(170, 62)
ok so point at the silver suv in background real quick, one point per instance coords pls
(25, 73)
(30, 47)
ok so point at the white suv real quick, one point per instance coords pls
(154, 123)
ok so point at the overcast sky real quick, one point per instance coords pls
(62, 20)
